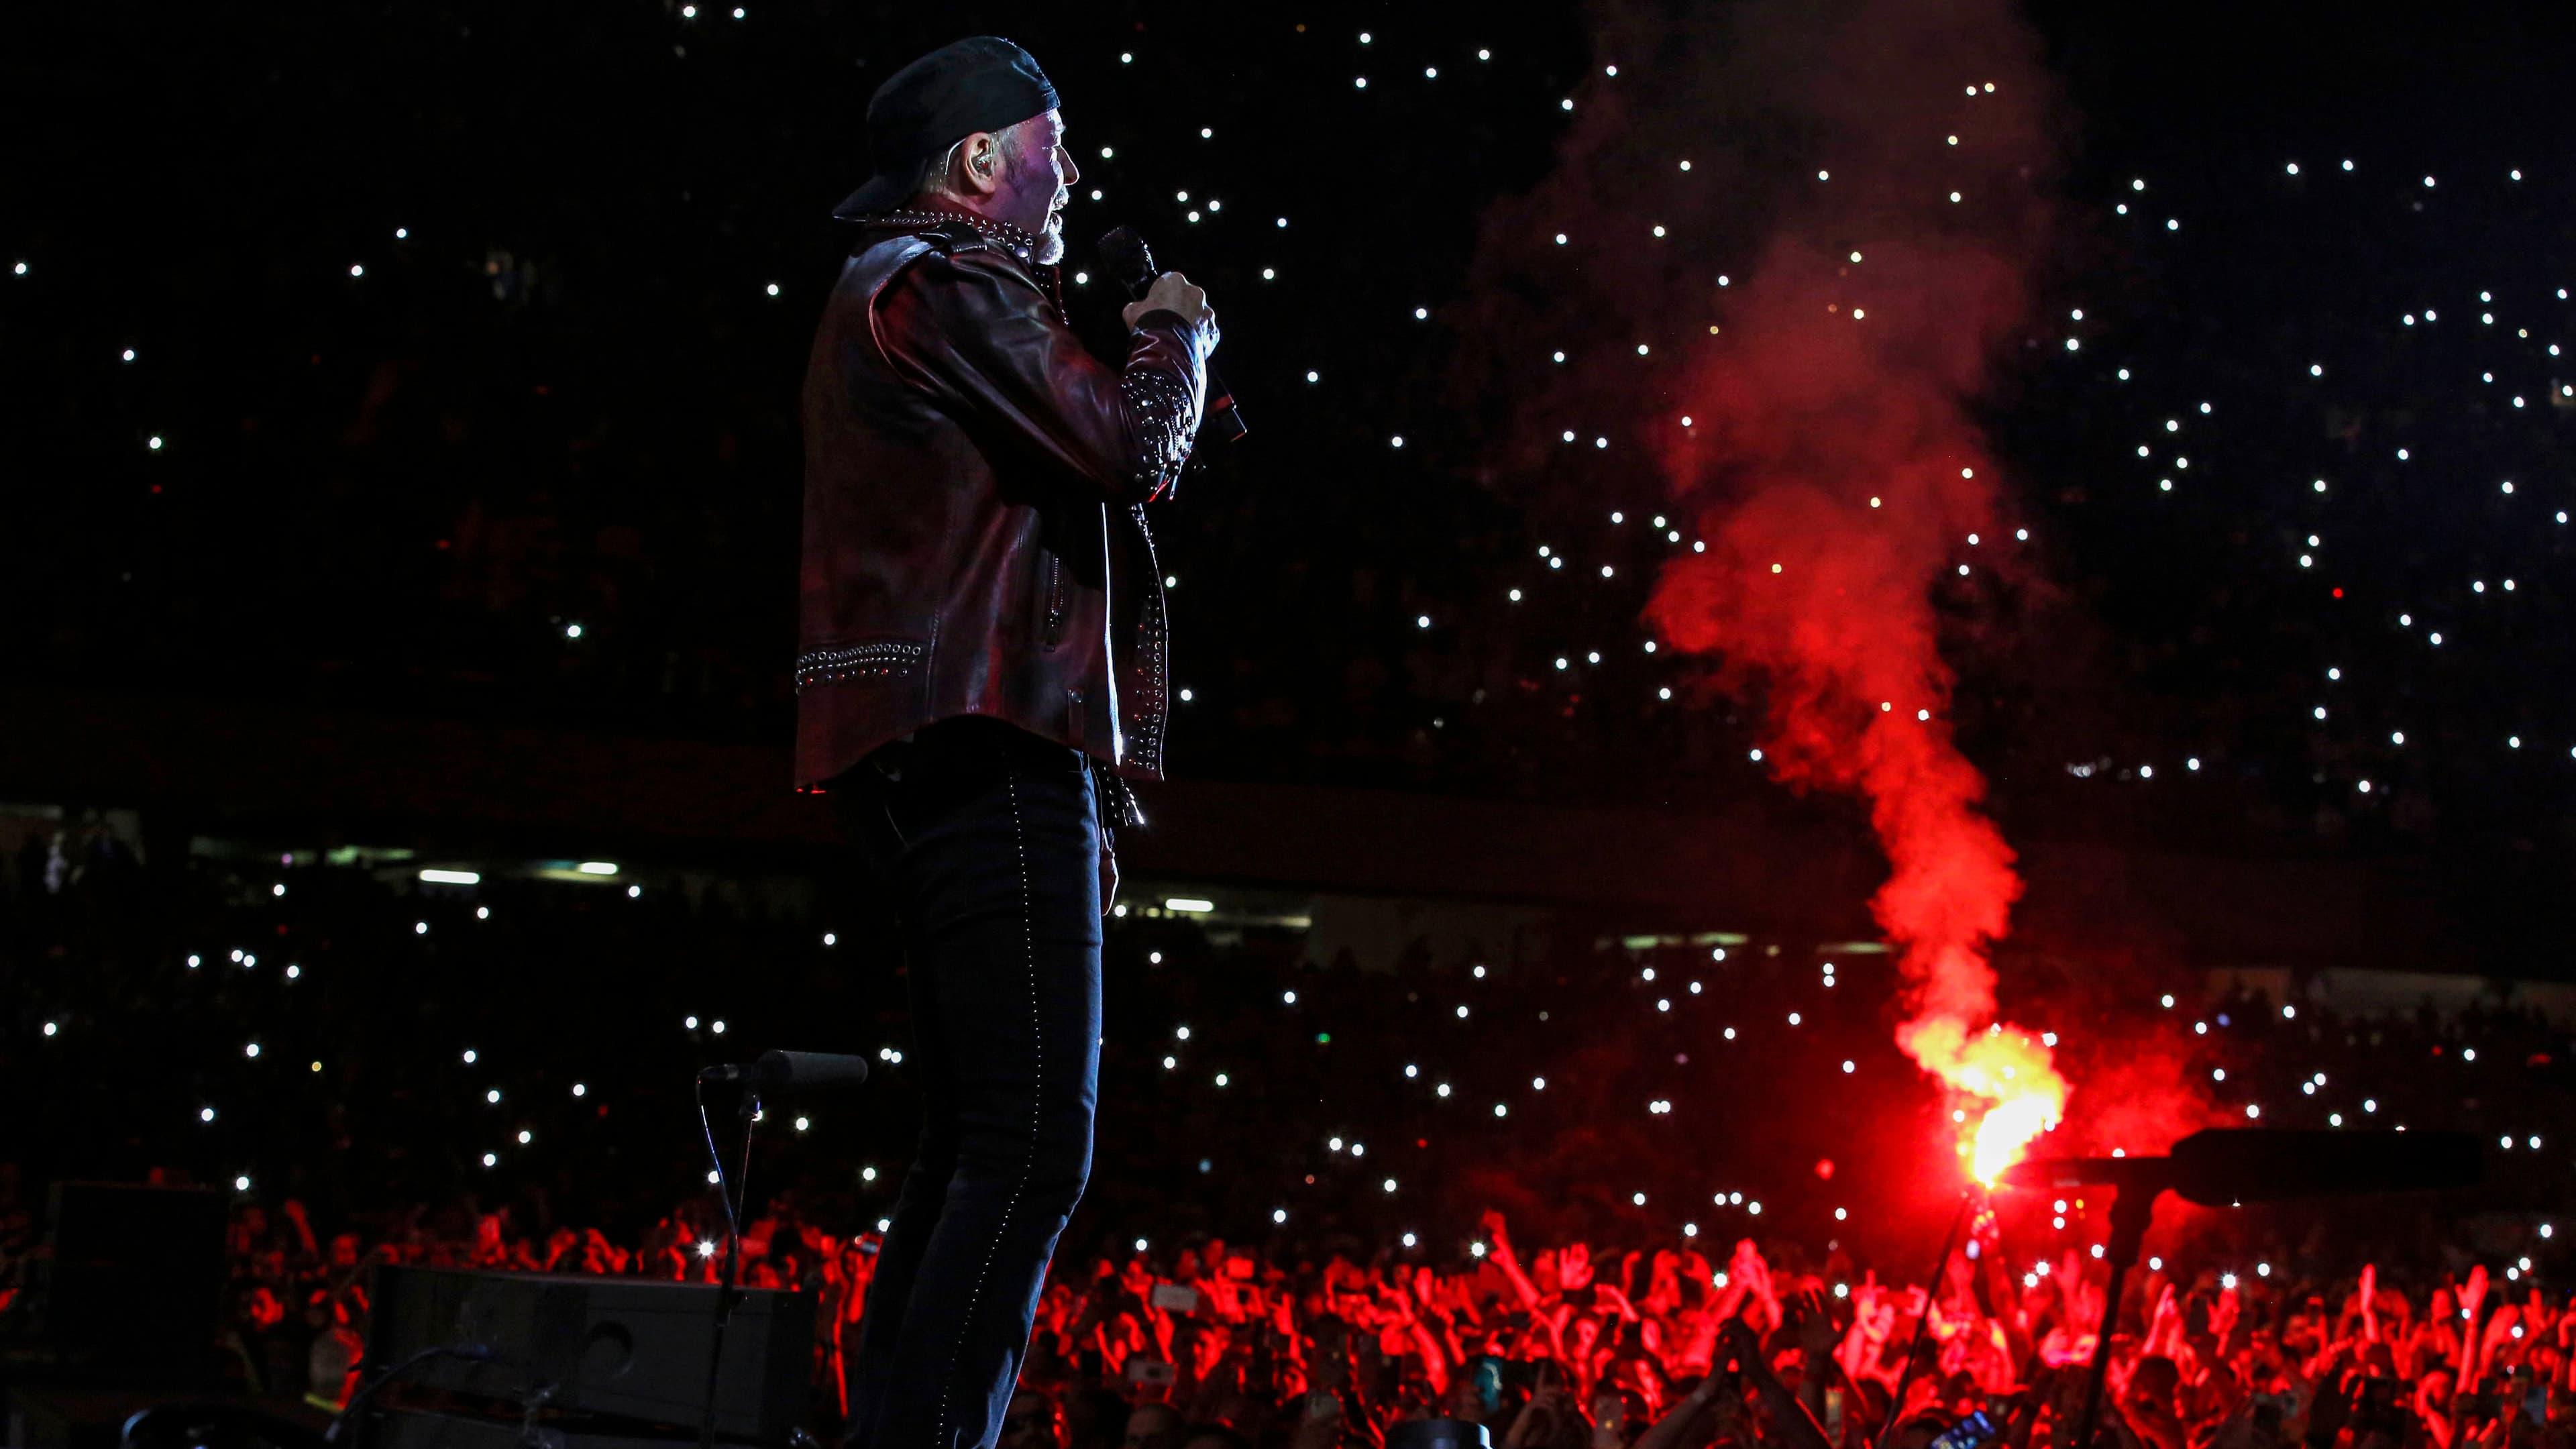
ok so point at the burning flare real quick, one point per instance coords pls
(2002, 1080)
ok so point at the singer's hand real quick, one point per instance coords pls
(1173, 292)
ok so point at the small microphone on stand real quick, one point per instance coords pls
(1132, 263)
(780, 1073)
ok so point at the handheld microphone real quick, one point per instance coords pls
(1129, 260)
(776, 1073)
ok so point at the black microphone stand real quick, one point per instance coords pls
(2133, 1207)
(1923, 1323)
(2224, 1167)
(729, 1294)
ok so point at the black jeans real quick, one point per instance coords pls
(987, 841)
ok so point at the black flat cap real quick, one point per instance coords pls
(981, 83)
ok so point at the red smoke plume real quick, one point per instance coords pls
(1830, 211)
(1844, 492)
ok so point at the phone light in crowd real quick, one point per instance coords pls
(597, 867)
(2226, 1280)
(1279, 1215)
(1478, 1249)
(1190, 904)
(707, 1249)
(493, 1096)
(241, 1184)
(581, 1089)
(1140, 1245)
(205, 1114)
(1408, 1240)
(452, 877)
(526, 1137)
(2155, 1265)
(469, 1056)
(491, 1159)
(252, 1049)
(867, 1174)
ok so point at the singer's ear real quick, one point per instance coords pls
(980, 163)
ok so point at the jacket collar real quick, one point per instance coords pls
(1008, 236)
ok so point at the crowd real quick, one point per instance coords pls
(1307, 1152)
(1663, 1349)
(1211, 1344)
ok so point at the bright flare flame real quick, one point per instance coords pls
(2003, 1067)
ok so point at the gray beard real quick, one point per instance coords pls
(1051, 241)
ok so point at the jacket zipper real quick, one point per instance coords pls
(1055, 600)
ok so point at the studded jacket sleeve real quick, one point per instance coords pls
(977, 330)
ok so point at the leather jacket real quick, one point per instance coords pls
(975, 482)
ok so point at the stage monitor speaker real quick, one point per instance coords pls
(624, 1348)
(130, 1284)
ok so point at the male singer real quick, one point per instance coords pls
(980, 658)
